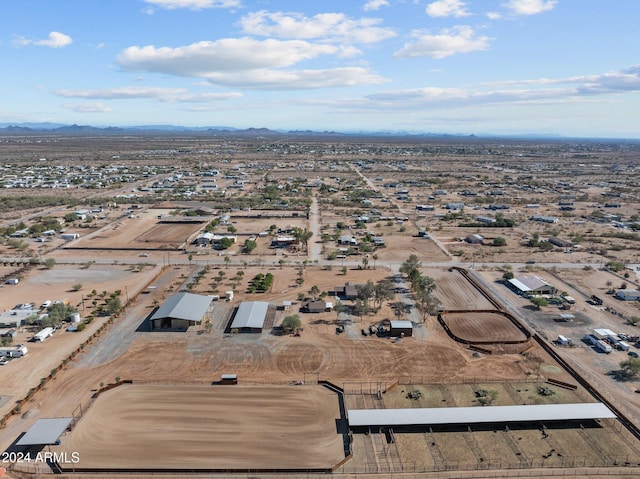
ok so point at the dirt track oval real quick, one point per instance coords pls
(483, 327)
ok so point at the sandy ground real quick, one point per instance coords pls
(482, 327)
(209, 427)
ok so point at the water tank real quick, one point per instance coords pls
(75, 317)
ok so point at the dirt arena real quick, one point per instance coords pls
(456, 292)
(208, 427)
(482, 327)
(141, 231)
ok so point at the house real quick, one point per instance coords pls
(401, 329)
(474, 239)
(348, 291)
(378, 241)
(544, 219)
(628, 295)
(283, 241)
(532, 285)
(316, 307)
(347, 240)
(454, 206)
(203, 239)
(560, 242)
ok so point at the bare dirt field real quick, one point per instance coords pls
(209, 427)
(142, 231)
(456, 293)
(482, 327)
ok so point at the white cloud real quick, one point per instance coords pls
(535, 91)
(329, 26)
(494, 15)
(193, 4)
(54, 40)
(297, 79)
(227, 54)
(530, 7)
(88, 107)
(375, 4)
(169, 95)
(452, 41)
(248, 63)
(447, 8)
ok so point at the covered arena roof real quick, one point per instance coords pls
(475, 415)
(250, 314)
(187, 306)
(45, 432)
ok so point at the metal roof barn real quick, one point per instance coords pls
(475, 415)
(250, 315)
(181, 309)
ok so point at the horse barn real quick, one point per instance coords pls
(250, 317)
(181, 311)
(532, 285)
(364, 420)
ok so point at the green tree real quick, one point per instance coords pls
(360, 307)
(291, 323)
(314, 292)
(539, 302)
(499, 241)
(249, 246)
(426, 304)
(226, 243)
(382, 291)
(114, 305)
(630, 369)
(57, 313)
(49, 263)
(302, 236)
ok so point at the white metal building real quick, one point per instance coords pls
(180, 311)
(250, 316)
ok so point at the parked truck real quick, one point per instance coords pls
(603, 347)
(42, 335)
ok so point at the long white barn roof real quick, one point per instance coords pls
(478, 414)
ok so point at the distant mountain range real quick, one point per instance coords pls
(61, 128)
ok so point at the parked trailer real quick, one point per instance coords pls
(603, 347)
(622, 346)
(69, 236)
(590, 340)
(42, 335)
(13, 351)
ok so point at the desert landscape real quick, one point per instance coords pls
(394, 302)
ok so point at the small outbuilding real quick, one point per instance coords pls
(401, 329)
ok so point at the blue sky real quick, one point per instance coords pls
(568, 67)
